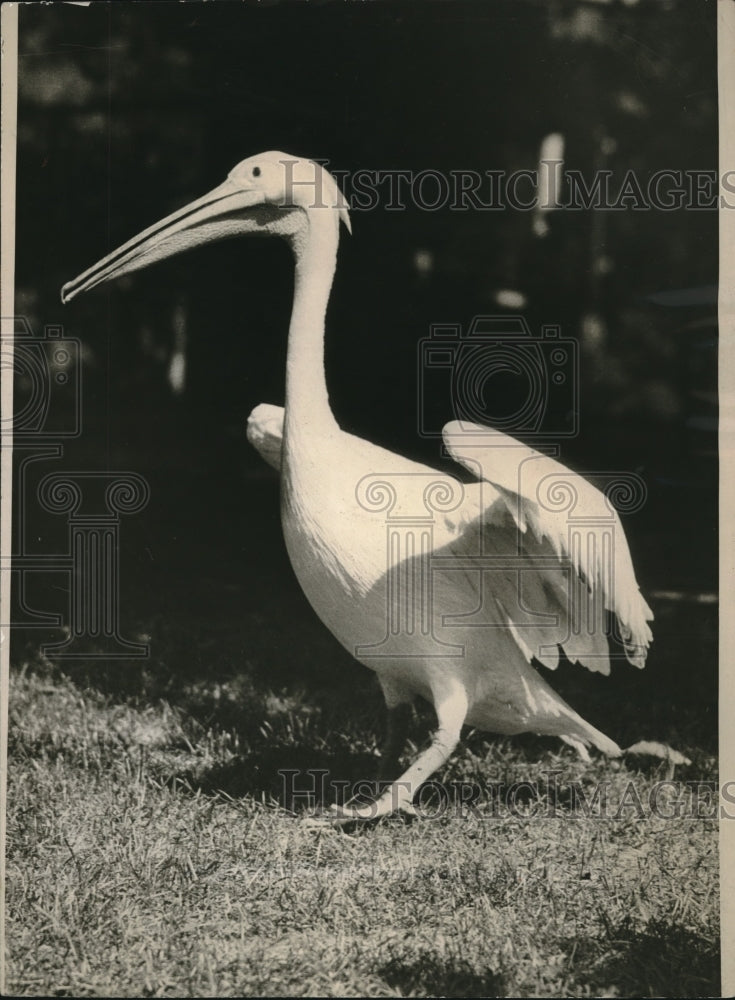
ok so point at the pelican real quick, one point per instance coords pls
(447, 590)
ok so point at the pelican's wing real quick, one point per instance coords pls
(265, 433)
(560, 514)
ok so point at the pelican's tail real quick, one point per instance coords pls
(550, 715)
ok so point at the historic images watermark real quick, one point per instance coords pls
(48, 379)
(551, 796)
(551, 185)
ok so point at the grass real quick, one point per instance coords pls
(134, 871)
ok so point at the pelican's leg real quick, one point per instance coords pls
(451, 711)
(398, 701)
(399, 717)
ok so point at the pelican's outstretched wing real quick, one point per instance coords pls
(559, 512)
(265, 432)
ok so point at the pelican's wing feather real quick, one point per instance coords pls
(560, 514)
(265, 432)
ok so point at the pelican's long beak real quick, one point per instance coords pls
(228, 210)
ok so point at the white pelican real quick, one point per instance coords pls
(445, 591)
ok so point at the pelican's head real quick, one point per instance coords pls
(268, 194)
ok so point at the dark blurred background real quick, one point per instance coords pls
(128, 111)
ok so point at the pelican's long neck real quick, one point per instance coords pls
(307, 401)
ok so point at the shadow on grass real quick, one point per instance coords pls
(664, 960)
(432, 976)
(296, 779)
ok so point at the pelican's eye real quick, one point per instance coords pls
(256, 171)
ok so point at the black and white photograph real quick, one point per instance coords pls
(360, 544)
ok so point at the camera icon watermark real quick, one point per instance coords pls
(501, 377)
(47, 385)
